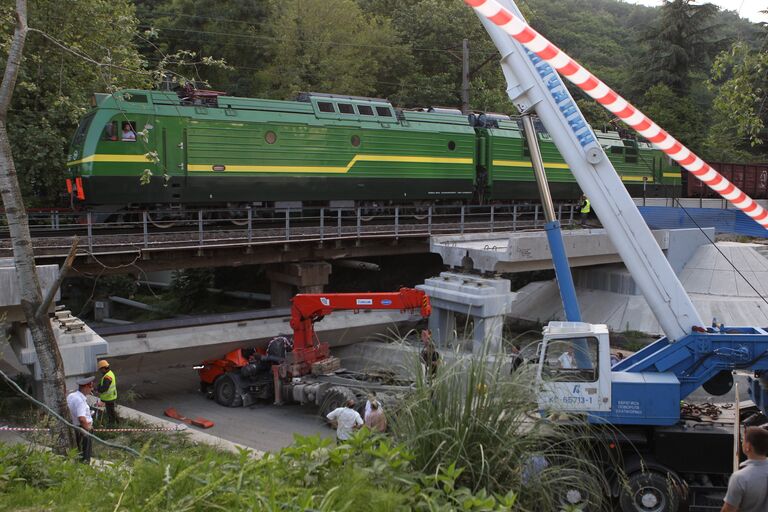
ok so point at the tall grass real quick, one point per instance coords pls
(477, 416)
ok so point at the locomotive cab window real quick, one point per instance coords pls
(346, 108)
(82, 129)
(383, 112)
(128, 133)
(364, 110)
(325, 106)
(110, 131)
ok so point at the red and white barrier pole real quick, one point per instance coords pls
(587, 82)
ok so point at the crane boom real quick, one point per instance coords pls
(308, 308)
(534, 86)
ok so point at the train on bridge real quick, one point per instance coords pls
(200, 148)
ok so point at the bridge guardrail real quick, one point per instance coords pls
(144, 230)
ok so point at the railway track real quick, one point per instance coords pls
(209, 229)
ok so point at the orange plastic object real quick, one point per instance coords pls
(197, 422)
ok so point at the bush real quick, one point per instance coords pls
(368, 473)
(189, 290)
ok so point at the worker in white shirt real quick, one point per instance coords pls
(80, 413)
(347, 421)
(566, 359)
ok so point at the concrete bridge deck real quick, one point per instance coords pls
(526, 251)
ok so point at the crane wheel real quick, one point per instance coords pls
(226, 391)
(580, 491)
(649, 491)
(334, 398)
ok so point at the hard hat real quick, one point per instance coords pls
(103, 364)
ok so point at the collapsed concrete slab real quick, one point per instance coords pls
(733, 296)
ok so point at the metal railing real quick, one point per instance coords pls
(146, 230)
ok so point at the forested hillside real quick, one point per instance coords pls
(699, 72)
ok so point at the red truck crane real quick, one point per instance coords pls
(302, 370)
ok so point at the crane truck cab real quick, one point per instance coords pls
(575, 375)
(574, 371)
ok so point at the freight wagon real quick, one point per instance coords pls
(752, 179)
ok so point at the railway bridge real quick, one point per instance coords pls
(296, 244)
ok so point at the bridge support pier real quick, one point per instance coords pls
(485, 300)
(287, 279)
(79, 345)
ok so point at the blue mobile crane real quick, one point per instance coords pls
(636, 405)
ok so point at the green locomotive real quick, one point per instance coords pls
(202, 148)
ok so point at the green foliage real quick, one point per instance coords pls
(329, 46)
(227, 29)
(368, 473)
(682, 42)
(121, 285)
(679, 116)
(600, 34)
(474, 416)
(54, 85)
(740, 79)
(189, 290)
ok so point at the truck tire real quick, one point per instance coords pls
(226, 391)
(648, 491)
(334, 398)
(579, 490)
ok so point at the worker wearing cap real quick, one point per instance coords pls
(108, 391)
(80, 413)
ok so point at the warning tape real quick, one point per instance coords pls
(180, 428)
(610, 100)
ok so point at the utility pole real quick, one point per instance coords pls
(465, 76)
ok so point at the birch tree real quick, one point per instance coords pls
(32, 299)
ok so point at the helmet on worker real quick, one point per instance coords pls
(103, 364)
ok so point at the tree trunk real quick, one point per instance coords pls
(46, 348)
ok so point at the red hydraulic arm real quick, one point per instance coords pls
(308, 308)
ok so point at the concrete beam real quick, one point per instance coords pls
(525, 251)
(140, 351)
